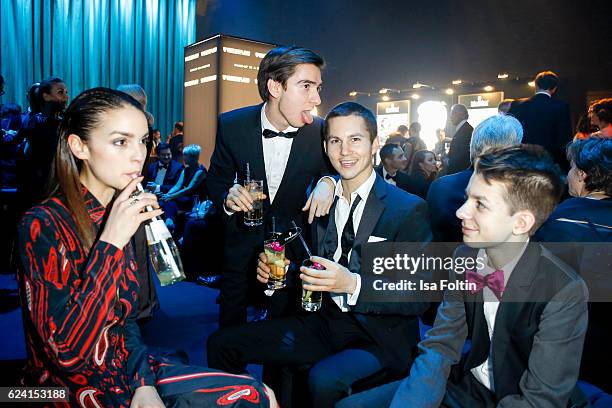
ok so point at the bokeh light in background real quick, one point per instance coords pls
(431, 115)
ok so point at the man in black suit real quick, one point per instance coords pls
(524, 310)
(163, 174)
(546, 121)
(459, 152)
(446, 194)
(281, 142)
(393, 161)
(347, 339)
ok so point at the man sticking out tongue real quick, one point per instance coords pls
(280, 139)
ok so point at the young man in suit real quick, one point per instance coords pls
(546, 121)
(446, 194)
(347, 340)
(393, 161)
(281, 141)
(525, 311)
(163, 174)
(459, 151)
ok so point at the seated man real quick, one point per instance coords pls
(525, 312)
(446, 194)
(189, 183)
(163, 174)
(393, 161)
(347, 340)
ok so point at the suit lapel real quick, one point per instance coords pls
(298, 153)
(327, 237)
(372, 211)
(515, 298)
(255, 154)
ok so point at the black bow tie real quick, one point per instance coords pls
(390, 177)
(268, 133)
(161, 166)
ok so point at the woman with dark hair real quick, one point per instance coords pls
(423, 171)
(39, 143)
(77, 281)
(587, 218)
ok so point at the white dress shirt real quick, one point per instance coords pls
(385, 172)
(459, 125)
(484, 372)
(161, 175)
(276, 154)
(341, 213)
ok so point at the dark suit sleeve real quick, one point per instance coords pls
(549, 380)
(222, 169)
(438, 352)
(414, 228)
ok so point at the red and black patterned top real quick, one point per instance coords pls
(79, 309)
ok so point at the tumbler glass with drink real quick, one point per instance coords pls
(311, 299)
(254, 217)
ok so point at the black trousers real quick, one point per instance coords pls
(299, 341)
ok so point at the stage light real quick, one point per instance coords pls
(415, 96)
(449, 91)
(457, 82)
(353, 93)
(488, 88)
(383, 91)
(385, 98)
(419, 85)
(531, 84)
(502, 76)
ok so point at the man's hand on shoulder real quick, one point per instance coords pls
(321, 199)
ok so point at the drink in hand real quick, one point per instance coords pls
(275, 252)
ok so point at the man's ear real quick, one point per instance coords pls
(523, 222)
(78, 147)
(581, 175)
(375, 145)
(274, 88)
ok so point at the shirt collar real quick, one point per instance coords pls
(363, 191)
(507, 268)
(95, 209)
(544, 93)
(460, 124)
(266, 124)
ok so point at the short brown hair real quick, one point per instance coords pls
(352, 109)
(546, 80)
(532, 180)
(280, 63)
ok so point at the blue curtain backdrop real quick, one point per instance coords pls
(92, 43)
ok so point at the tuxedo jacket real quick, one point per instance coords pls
(536, 344)
(172, 174)
(395, 216)
(239, 142)
(402, 179)
(459, 152)
(413, 183)
(546, 122)
(446, 194)
(582, 223)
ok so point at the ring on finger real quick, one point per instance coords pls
(134, 201)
